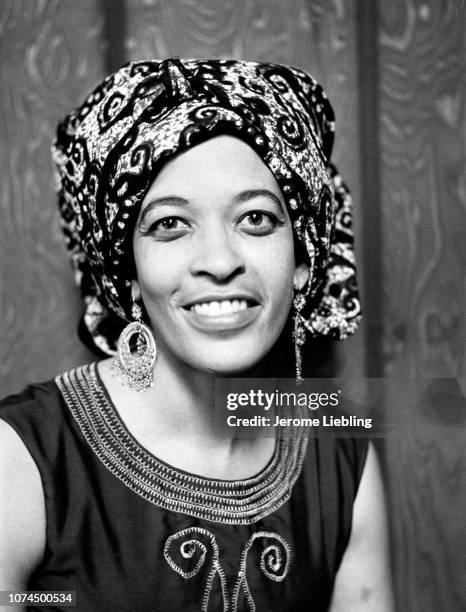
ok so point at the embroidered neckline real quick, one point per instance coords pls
(224, 501)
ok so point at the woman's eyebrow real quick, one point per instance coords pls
(249, 194)
(243, 196)
(172, 200)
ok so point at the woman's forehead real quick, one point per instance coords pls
(223, 165)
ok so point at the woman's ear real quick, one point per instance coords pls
(135, 290)
(300, 276)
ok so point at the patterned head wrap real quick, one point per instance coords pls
(110, 149)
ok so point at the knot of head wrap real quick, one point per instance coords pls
(108, 152)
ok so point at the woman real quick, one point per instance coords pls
(198, 204)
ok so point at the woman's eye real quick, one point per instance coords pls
(258, 222)
(168, 227)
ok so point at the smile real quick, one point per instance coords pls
(219, 308)
(217, 314)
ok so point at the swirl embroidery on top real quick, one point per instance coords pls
(183, 546)
(196, 544)
(274, 562)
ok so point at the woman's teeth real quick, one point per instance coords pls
(216, 309)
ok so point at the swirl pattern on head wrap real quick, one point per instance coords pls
(109, 150)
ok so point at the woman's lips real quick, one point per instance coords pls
(215, 308)
(222, 315)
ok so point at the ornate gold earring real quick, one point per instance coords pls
(134, 364)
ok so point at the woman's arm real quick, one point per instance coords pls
(22, 512)
(363, 582)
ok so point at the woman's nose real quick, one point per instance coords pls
(216, 255)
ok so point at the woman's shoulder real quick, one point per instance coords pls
(32, 408)
(344, 450)
(44, 396)
(34, 393)
(35, 402)
(22, 509)
(336, 463)
(38, 413)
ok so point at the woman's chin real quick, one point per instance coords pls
(223, 357)
(225, 365)
(228, 369)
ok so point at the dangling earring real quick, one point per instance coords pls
(135, 368)
(299, 334)
(299, 301)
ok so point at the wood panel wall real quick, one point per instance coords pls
(51, 54)
(422, 136)
(394, 72)
(422, 118)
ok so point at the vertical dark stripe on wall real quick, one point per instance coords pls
(368, 81)
(114, 15)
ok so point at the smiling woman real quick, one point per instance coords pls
(217, 219)
(203, 216)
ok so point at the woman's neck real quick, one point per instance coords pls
(185, 396)
(176, 421)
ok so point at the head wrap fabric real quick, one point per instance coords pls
(109, 151)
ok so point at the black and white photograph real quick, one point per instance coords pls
(232, 305)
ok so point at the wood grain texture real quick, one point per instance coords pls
(425, 467)
(318, 36)
(423, 189)
(423, 193)
(368, 97)
(51, 57)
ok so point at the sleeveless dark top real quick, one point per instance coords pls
(130, 533)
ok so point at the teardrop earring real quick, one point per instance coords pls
(134, 364)
(299, 334)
